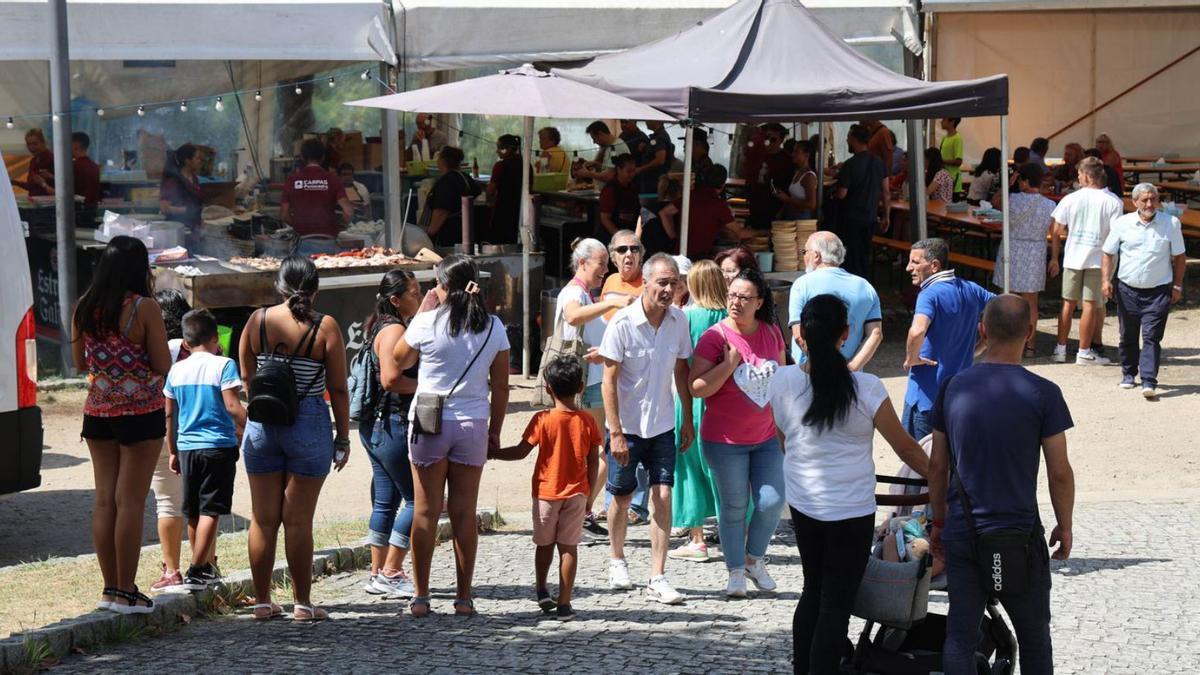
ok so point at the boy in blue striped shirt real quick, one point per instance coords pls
(205, 420)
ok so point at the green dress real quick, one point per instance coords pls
(694, 497)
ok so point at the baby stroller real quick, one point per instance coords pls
(901, 637)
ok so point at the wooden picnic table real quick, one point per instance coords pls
(1149, 159)
(1180, 187)
(1136, 170)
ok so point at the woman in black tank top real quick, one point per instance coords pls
(386, 438)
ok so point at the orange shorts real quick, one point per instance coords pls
(558, 521)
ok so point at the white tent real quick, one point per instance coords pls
(1070, 57)
(445, 34)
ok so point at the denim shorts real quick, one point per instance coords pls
(656, 453)
(592, 398)
(305, 448)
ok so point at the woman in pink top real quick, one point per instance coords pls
(119, 340)
(732, 368)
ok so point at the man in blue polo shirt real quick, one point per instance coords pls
(824, 253)
(941, 341)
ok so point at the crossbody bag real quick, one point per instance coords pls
(427, 412)
(1002, 556)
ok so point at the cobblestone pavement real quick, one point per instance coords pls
(1125, 603)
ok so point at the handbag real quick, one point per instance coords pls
(427, 412)
(1003, 555)
(557, 346)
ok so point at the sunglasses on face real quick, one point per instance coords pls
(627, 249)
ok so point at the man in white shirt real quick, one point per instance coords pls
(1087, 215)
(1149, 281)
(646, 344)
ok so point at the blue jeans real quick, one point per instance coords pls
(1142, 313)
(1030, 613)
(304, 449)
(916, 422)
(386, 442)
(741, 472)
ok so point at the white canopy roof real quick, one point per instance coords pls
(445, 34)
(311, 30)
(1046, 5)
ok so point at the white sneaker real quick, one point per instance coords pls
(660, 590)
(1090, 358)
(759, 575)
(1060, 354)
(369, 585)
(398, 586)
(618, 575)
(1127, 384)
(1149, 393)
(736, 588)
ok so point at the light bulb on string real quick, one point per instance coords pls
(141, 111)
(9, 124)
(54, 117)
(220, 105)
(332, 83)
(299, 90)
(366, 75)
(183, 106)
(258, 94)
(100, 112)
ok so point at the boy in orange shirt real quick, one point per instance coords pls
(568, 441)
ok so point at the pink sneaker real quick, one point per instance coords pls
(169, 581)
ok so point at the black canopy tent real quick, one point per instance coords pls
(773, 61)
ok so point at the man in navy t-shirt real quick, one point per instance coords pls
(941, 341)
(994, 421)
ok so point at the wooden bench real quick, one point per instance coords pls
(957, 259)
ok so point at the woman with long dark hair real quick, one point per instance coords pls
(735, 361)
(828, 416)
(287, 465)
(385, 437)
(463, 354)
(939, 185)
(118, 338)
(986, 177)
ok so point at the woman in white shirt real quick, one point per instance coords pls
(463, 353)
(986, 177)
(828, 416)
(583, 316)
(939, 185)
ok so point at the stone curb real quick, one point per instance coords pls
(172, 609)
(62, 384)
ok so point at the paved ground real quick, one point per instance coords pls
(1126, 603)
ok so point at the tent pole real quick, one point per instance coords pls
(64, 177)
(818, 160)
(687, 187)
(916, 182)
(1004, 186)
(526, 240)
(393, 230)
(913, 128)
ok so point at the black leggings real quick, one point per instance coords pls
(834, 557)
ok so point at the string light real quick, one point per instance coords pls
(220, 104)
(141, 111)
(366, 75)
(299, 90)
(54, 117)
(332, 84)
(183, 106)
(9, 124)
(258, 94)
(100, 112)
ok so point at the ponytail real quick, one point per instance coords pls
(394, 283)
(833, 391)
(765, 313)
(464, 298)
(297, 283)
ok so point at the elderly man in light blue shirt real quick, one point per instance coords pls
(1149, 244)
(823, 256)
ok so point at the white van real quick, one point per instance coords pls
(20, 418)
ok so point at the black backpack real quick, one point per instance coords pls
(272, 392)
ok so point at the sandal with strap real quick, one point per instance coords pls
(132, 602)
(274, 611)
(459, 603)
(315, 613)
(419, 601)
(108, 592)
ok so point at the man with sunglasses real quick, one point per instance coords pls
(767, 170)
